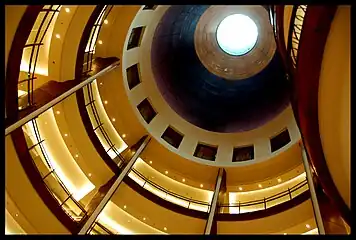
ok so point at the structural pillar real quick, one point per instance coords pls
(114, 186)
(218, 187)
(318, 218)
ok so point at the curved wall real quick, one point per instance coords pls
(334, 102)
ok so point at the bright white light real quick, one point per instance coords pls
(237, 34)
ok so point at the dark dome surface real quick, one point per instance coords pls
(202, 98)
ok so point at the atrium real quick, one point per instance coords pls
(177, 119)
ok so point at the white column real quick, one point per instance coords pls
(111, 191)
(214, 202)
(318, 218)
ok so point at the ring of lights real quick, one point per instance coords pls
(234, 67)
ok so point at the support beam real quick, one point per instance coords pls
(58, 99)
(318, 219)
(214, 202)
(113, 188)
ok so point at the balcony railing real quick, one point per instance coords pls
(32, 48)
(73, 208)
(295, 30)
(99, 229)
(265, 203)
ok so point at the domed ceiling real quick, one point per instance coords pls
(205, 98)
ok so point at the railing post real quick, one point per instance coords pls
(264, 203)
(318, 218)
(290, 194)
(113, 188)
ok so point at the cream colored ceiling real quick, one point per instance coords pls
(334, 102)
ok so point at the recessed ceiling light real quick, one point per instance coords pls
(284, 233)
(101, 83)
(279, 180)
(106, 21)
(166, 172)
(240, 188)
(144, 219)
(89, 174)
(124, 135)
(16, 215)
(259, 185)
(113, 119)
(20, 108)
(129, 220)
(66, 135)
(183, 180)
(165, 229)
(67, 10)
(307, 225)
(201, 185)
(76, 155)
(58, 112)
(150, 162)
(58, 36)
(124, 206)
(100, 42)
(106, 102)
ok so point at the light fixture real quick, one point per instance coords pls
(89, 174)
(259, 185)
(144, 219)
(129, 220)
(201, 185)
(100, 42)
(76, 155)
(106, 21)
(284, 233)
(66, 135)
(165, 229)
(16, 214)
(124, 135)
(183, 180)
(20, 108)
(101, 83)
(150, 162)
(58, 36)
(279, 180)
(67, 10)
(106, 102)
(58, 112)
(46, 123)
(307, 225)
(166, 172)
(113, 119)
(240, 188)
(124, 206)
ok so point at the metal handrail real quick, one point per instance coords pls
(295, 30)
(169, 192)
(268, 199)
(35, 49)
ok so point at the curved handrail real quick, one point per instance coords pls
(268, 199)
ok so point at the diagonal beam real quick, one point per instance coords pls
(212, 212)
(59, 99)
(114, 186)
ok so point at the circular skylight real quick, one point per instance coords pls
(237, 34)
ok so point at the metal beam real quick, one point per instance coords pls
(113, 188)
(318, 218)
(209, 223)
(58, 99)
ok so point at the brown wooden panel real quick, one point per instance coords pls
(316, 27)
